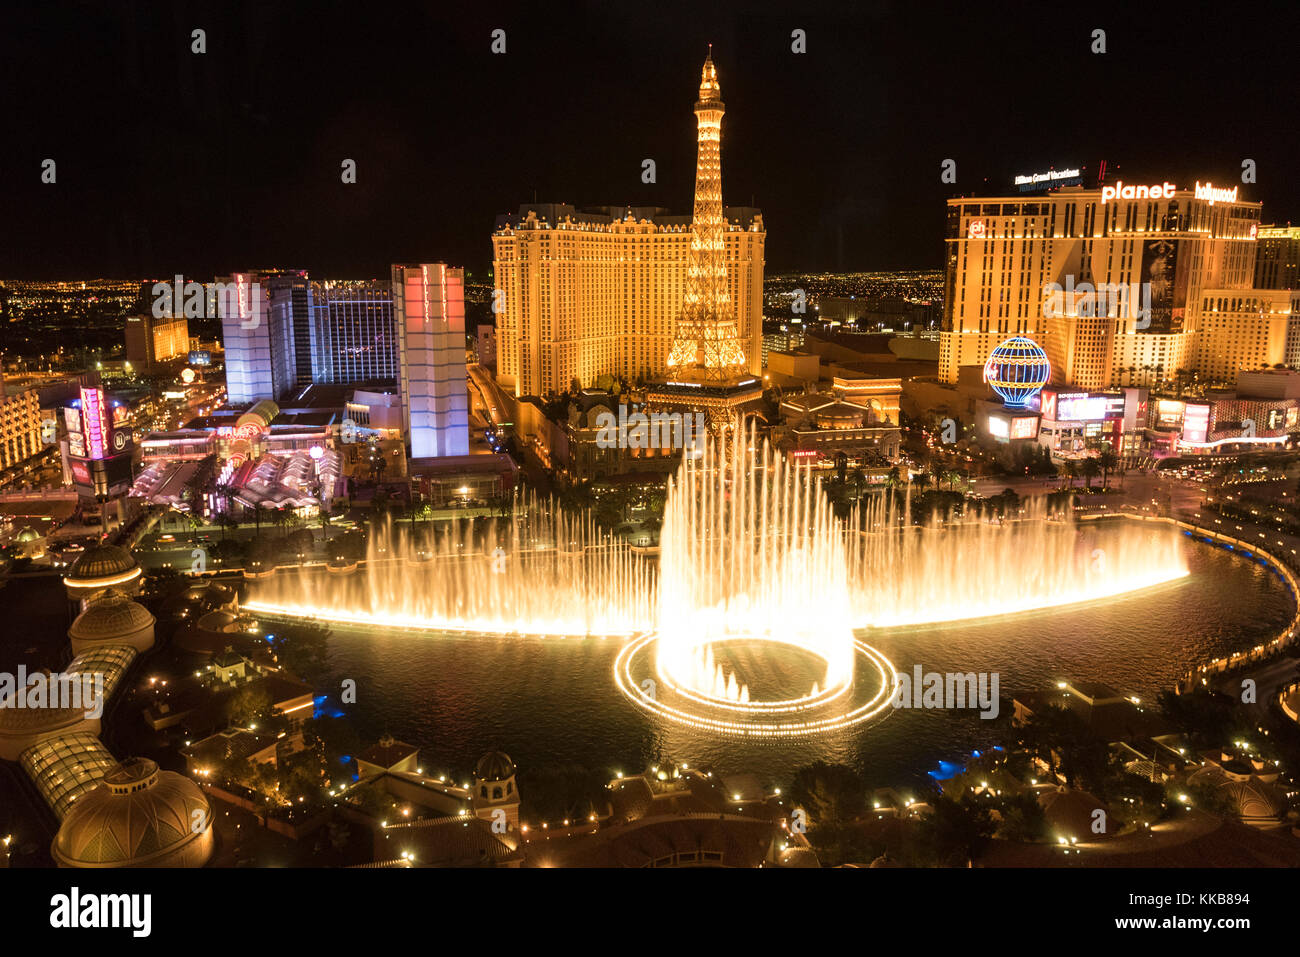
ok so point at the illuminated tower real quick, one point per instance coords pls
(707, 367)
(706, 343)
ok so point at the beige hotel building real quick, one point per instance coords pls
(1196, 249)
(581, 294)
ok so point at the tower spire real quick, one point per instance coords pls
(706, 341)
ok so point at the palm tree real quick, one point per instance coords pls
(1107, 459)
(1072, 470)
(1090, 470)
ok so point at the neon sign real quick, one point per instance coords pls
(1120, 191)
(1212, 195)
(1054, 176)
(92, 415)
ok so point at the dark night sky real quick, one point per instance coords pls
(171, 162)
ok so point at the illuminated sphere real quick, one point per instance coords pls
(1016, 370)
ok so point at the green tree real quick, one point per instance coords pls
(1023, 820)
(954, 833)
(832, 794)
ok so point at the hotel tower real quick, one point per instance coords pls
(631, 291)
(1123, 284)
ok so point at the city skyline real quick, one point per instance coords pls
(851, 133)
(848, 437)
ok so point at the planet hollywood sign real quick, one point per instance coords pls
(1212, 195)
(1165, 190)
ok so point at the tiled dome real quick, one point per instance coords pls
(113, 618)
(494, 766)
(110, 617)
(102, 561)
(100, 568)
(139, 816)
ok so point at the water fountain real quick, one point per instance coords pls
(542, 571)
(753, 561)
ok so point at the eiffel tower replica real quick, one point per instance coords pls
(707, 368)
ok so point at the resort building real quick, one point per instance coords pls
(1117, 282)
(596, 292)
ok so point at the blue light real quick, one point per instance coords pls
(947, 770)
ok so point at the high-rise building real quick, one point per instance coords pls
(585, 294)
(1111, 281)
(20, 427)
(284, 332)
(287, 295)
(429, 306)
(246, 339)
(151, 340)
(1245, 330)
(354, 334)
(1277, 262)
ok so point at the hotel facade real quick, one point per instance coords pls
(1122, 285)
(583, 294)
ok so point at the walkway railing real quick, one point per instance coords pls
(1261, 652)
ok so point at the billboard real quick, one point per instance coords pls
(1196, 423)
(1081, 407)
(1169, 413)
(1025, 427)
(76, 439)
(1160, 270)
(999, 428)
(80, 472)
(200, 357)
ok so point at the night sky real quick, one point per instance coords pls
(199, 164)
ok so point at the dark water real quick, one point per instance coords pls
(552, 701)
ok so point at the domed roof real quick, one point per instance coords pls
(494, 766)
(26, 720)
(110, 617)
(1255, 800)
(138, 816)
(27, 534)
(221, 621)
(102, 561)
(1250, 798)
